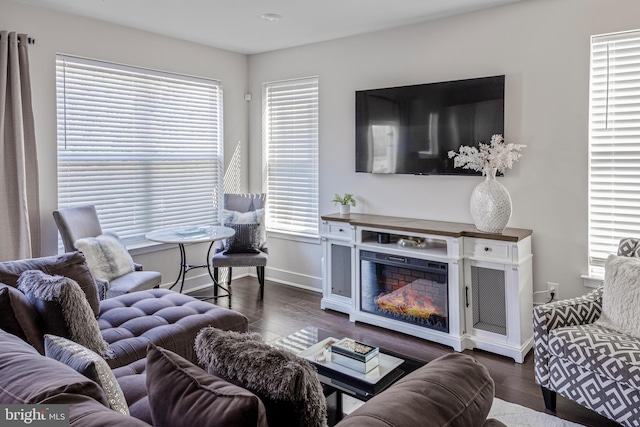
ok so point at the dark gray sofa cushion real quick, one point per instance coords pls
(181, 393)
(453, 390)
(19, 317)
(29, 377)
(71, 265)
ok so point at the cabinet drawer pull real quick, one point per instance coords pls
(487, 249)
(341, 230)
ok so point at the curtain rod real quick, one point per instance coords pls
(30, 40)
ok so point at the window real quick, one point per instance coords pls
(145, 147)
(614, 144)
(291, 156)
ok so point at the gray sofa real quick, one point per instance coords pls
(453, 391)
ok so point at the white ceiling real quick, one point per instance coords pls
(236, 24)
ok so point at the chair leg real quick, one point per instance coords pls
(230, 275)
(260, 272)
(215, 280)
(549, 398)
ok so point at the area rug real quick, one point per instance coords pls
(519, 416)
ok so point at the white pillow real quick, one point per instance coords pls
(106, 256)
(621, 295)
(251, 217)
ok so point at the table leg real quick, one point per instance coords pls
(182, 271)
(216, 282)
(339, 409)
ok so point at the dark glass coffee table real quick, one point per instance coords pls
(338, 381)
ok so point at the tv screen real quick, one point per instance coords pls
(410, 129)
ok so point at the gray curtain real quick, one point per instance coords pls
(19, 195)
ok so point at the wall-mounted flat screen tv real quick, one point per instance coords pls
(410, 129)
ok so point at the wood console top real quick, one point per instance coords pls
(442, 228)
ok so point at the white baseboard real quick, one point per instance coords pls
(290, 278)
(203, 281)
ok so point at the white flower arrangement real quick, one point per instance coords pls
(488, 158)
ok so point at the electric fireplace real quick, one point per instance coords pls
(410, 290)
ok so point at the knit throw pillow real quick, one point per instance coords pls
(63, 308)
(288, 385)
(621, 295)
(89, 364)
(106, 255)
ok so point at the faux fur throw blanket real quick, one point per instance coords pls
(280, 375)
(77, 314)
(106, 256)
(621, 295)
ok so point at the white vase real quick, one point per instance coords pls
(490, 205)
(345, 209)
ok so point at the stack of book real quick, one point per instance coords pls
(354, 355)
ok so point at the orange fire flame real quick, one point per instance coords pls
(407, 301)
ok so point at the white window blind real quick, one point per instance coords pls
(614, 144)
(145, 147)
(291, 147)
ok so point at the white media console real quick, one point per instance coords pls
(478, 286)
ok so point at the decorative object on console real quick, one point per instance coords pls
(412, 242)
(345, 202)
(490, 200)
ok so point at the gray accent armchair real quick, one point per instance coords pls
(82, 221)
(597, 367)
(241, 203)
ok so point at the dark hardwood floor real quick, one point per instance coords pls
(286, 309)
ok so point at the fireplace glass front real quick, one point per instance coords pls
(410, 290)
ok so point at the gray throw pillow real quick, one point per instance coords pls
(288, 385)
(106, 255)
(251, 217)
(621, 295)
(89, 364)
(181, 393)
(245, 241)
(63, 308)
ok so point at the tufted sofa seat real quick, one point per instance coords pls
(127, 322)
(166, 318)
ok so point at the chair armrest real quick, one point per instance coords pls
(570, 312)
(137, 267)
(102, 286)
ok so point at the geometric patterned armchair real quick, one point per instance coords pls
(597, 367)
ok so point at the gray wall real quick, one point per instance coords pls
(542, 46)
